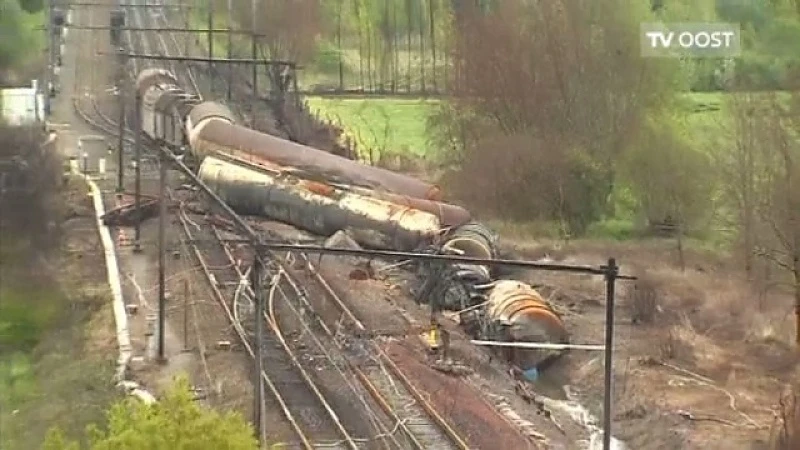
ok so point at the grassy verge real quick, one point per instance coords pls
(57, 347)
(387, 125)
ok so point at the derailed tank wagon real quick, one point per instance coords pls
(319, 208)
(210, 134)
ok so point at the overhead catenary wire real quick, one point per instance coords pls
(539, 345)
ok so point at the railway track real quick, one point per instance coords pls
(419, 425)
(398, 415)
(415, 420)
(423, 427)
(292, 389)
(413, 416)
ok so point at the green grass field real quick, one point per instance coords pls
(399, 125)
(383, 125)
(395, 124)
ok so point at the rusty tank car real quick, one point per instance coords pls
(516, 312)
(212, 134)
(450, 216)
(319, 208)
(163, 105)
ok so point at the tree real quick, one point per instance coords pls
(742, 170)
(32, 6)
(15, 21)
(174, 422)
(762, 175)
(780, 207)
(570, 73)
(289, 30)
(670, 181)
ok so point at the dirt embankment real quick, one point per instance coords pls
(702, 357)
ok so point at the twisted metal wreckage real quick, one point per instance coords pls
(259, 174)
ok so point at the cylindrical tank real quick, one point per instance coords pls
(473, 240)
(208, 110)
(319, 208)
(209, 135)
(516, 312)
(476, 241)
(449, 215)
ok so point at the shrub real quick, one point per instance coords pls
(176, 421)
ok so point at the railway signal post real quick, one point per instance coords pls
(210, 5)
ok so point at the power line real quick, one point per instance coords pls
(170, 30)
(125, 5)
(261, 62)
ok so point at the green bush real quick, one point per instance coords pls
(615, 228)
(176, 421)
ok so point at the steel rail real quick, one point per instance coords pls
(273, 323)
(382, 401)
(300, 295)
(241, 333)
(415, 394)
(143, 42)
(219, 297)
(456, 439)
(376, 393)
(369, 386)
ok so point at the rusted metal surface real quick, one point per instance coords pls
(459, 403)
(206, 135)
(473, 239)
(516, 312)
(449, 215)
(318, 208)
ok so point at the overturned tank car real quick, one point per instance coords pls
(319, 208)
(515, 312)
(502, 310)
(209, 135)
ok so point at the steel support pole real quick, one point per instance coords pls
(211, 43)
(162, 219)
(185, 312)
(138, 170)
(339, 44)
(121, 141)
(258, 289)
(253, 56)
(612, 272)
(230, 50)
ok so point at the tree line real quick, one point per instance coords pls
(406, 45)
